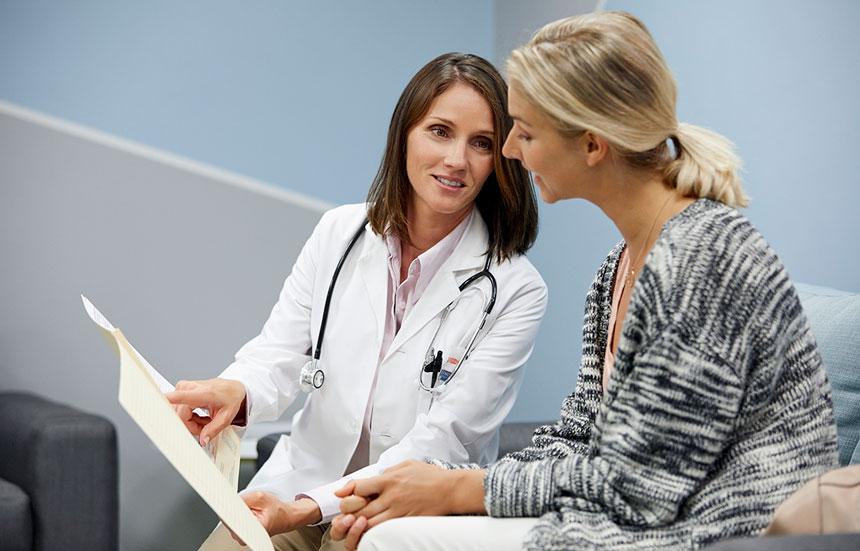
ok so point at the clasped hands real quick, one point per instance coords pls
(410, 488)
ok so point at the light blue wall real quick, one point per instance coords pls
(782, 80)
(297, 93)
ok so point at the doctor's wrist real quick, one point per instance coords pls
(306, 512)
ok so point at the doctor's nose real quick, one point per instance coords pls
(455, 156)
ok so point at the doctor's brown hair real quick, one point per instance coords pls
(506, 201)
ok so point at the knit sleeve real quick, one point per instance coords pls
(571, 434)
(665, 427)
(567, 436)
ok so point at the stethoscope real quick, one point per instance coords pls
(437, 369)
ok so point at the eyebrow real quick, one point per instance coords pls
(451, 123)
(519, 120)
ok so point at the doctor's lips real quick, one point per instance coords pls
(453, 183)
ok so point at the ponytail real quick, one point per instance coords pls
(706, 165)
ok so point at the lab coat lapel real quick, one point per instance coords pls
(468, 256)
(373, 267)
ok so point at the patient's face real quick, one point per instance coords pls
(556, 161)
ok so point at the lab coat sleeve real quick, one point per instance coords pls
(465, 417)
(270, 363)
(329, 503)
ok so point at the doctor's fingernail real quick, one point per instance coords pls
(205, 441)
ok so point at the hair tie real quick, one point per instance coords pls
(675, 145)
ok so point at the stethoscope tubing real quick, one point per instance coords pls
(324, 320)
(485, 272)
(489, 275)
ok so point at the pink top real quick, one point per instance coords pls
(620, 282)
(402, 296)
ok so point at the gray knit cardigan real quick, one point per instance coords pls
(717, 409)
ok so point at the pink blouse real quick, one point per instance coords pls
(620, 282)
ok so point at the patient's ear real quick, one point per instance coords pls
(595, 148)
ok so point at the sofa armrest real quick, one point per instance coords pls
(266, 445)
(518, 435)
(16, 522)
(66, 462)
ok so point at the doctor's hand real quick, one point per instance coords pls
(278, 516)
(222, 397)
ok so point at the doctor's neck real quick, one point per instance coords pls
(427, 229)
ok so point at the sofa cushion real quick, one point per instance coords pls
(825, 542)
(835, 320)
(16, 523)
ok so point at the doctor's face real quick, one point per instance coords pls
(449, 155)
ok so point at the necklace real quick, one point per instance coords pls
(631, 273)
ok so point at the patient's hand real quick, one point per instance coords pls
(350, 528)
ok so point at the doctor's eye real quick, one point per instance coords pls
(439, 131)
(483, 144)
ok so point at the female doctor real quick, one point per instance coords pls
(405, 367)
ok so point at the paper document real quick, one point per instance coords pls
(214, 475)
(108, 328)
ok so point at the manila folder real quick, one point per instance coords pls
(140, 396)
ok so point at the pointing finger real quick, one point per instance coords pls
(192, 398)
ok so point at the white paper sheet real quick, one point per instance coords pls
(100, 320)
(216, 482)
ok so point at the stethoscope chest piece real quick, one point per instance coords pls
(312, 377)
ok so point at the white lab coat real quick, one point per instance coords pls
(462, 424)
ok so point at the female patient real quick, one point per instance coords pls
(701, 402)
(441, 238)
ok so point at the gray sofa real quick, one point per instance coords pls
(58, 477)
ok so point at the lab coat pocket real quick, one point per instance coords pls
(422, 405)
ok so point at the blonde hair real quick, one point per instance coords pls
(603, 72)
